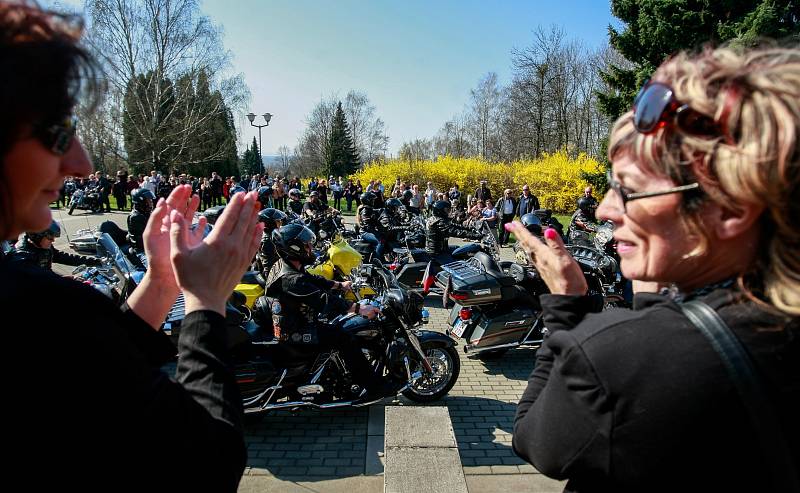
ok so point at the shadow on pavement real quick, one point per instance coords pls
(515, 364)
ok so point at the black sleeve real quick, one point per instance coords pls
(462, 232)
(61, 257)
(563, 419)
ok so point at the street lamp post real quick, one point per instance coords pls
(267, 118)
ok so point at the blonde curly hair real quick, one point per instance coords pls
(754, 98)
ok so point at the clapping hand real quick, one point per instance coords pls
(207, 269)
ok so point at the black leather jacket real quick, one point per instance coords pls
(439, 229)
(31, 254)
(295, 206)
(298, 299)
(368, 218)
(137, 222)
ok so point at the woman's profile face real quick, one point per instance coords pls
(651, 241)
(35, 176)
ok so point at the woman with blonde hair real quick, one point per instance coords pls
(704, 198)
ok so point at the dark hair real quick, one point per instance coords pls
(44, 73)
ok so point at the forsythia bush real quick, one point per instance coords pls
(554, 178)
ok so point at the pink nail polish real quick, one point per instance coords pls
(550, 234)
(509, 226)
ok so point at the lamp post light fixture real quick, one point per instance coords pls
(267, 118)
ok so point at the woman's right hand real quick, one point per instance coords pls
(207, 269)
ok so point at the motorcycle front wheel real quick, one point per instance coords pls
(446, 368)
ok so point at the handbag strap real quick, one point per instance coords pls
(748, 384)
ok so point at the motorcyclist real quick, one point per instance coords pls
(37, 248)
(313, 211)
(392, 220)
(532, 223)
(295, 204)
(582, 223)
(299, 300)
(267, 254)
(142, 200)
(265, 195)
(439, 228)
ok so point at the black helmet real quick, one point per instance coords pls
(407, 196)
(369, 198)
(441, 208)
(142, 200)
(53, 232)
(262, 312)
(585, 204)
(213, 213)
(294, 193)
(270, 218)
(314, 194)
(264, 194)
(393, 205)
(294, 242)
(532, 223)
(237, 189)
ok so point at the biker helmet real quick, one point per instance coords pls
(585, 204)
(271, 219)
(264, 194)
(53, 232)
(441, 208)
(262, 312)
(314, 194)
(294, 194)
(532, 223)
(407, 196)
(393, 205)
(294, 242)
(143, 200)
(237, 189)
(368, 199)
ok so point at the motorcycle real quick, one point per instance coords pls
(497, 304)
(424, 364)
(341, 262)
(85, 199)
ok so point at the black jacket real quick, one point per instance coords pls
(529, 205)
(301, 298)
(500, 208)
(84, 383)
(28, 253)
(368, 219)
(295, 206)
(437, 230)
(137, 222)
(637, 400)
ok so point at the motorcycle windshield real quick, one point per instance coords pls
(106, 247)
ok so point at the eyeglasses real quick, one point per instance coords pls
(655, 107)
(58, 137)
(626, 195)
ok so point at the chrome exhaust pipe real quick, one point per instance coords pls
(472, 348)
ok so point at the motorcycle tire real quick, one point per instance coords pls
(442, 388)
(71, 208)
(492, 355)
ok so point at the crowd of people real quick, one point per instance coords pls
(703, 195)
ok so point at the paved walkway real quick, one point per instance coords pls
(328, 451)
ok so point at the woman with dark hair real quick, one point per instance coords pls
(704, 199)
(92, 388)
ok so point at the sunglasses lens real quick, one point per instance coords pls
(650, 107)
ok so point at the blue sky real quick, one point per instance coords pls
(416, 60)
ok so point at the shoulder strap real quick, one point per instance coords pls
(748, 384)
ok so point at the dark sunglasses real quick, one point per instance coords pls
(58, 137)
(655, 107)
(626, 194)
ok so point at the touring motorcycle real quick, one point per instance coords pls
(86, 199)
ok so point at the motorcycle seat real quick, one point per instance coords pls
(254, 277)
(494, 269)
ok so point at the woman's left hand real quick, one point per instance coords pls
(555, 265)
(157, 233)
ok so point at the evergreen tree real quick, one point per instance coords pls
(341, 156)
(251, 160)
(655, 29)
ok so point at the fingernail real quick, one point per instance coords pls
(509, 226)
(550, 234)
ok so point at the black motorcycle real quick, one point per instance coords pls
(85, 199)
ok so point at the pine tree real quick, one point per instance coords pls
(341, 156)
(251, 160)
(655, 29)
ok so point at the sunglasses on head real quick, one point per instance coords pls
(58, 137)
(656, 107)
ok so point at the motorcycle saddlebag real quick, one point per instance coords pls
(470, 285)
(411, 274)
(503, 325)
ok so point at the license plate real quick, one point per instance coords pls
(459, 328)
